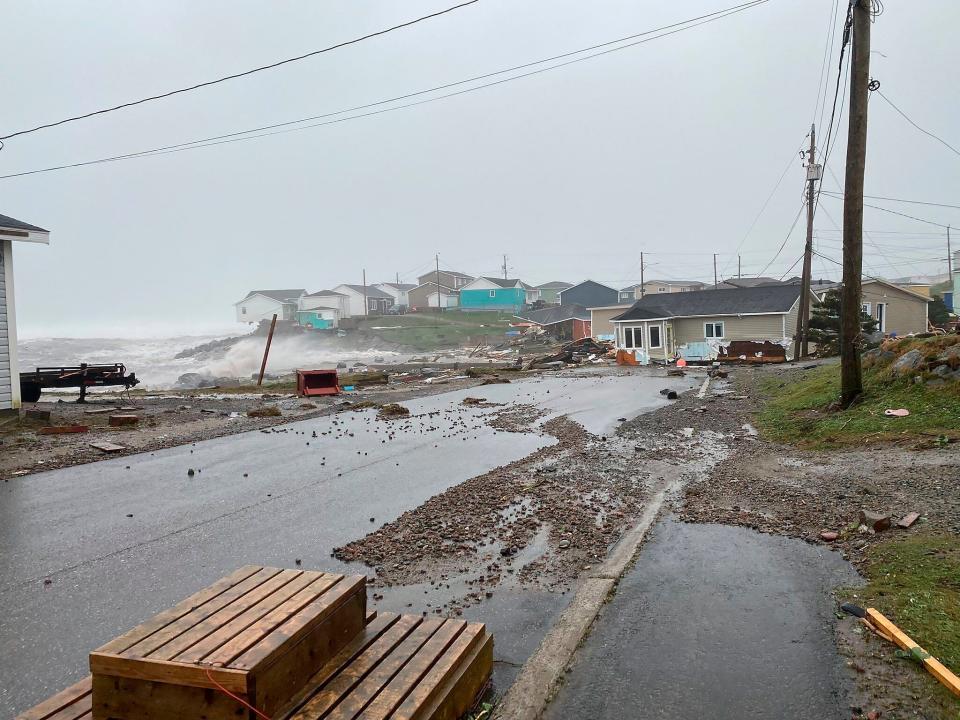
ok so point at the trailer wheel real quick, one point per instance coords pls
(29, 391)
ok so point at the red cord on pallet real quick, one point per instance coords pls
(240, 700)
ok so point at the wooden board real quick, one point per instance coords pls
(933, 666)
(260, 633)
(107, 447)
(70, 704)
(400, 668)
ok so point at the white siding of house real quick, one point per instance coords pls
(355, 306)
(399, 296)
(9, 371)
(481, 284)
(260, 307)
(338, 302)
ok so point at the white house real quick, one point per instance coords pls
(263, 304)
(325, 299)
(11, 230)
(377, 301)
(398, 291)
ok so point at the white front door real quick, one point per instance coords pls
(882, 317)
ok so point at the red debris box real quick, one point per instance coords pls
(317, 382)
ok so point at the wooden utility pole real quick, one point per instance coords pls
(366, 305)
(949, 259)
(803, 316)
(714, 271)
(738, 268)
(439, 308)
(642, 289)
(851, 376)
(504, 267)
(266, 350)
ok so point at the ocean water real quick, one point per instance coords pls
(154, 361)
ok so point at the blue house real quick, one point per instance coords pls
(486, 293)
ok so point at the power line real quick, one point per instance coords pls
(234, 137)
(925, 132)
(784, 243)
(239, 74)
(892, 199)
(838, 196)
(762, 209)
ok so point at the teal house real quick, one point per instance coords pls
(486, 293)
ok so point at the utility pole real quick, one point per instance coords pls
(738, 268)
(439, 308)
(366, 305)
(851, 375)
(398, 278)
(949, 259)
(803, 316)
(642, 289)
(504, 267)
(714, 271)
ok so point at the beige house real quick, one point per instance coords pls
(447, 278)
(897, 310)
(659, 327)
(601, 320)
(655, 287)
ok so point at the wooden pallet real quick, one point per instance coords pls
(74, 703)
(401, 667)
(259, 633)
(295, 645)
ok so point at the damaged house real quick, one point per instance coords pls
(707, 324)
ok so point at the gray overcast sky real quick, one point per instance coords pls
(670, 148)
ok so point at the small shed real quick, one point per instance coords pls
(563, 322)
(12, 230)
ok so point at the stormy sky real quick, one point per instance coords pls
(670, 147)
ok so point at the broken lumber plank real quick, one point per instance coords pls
(107, 447)
(908, 520)
(63, 429)
(933, 666)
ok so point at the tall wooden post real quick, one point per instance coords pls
(266, 350)
(851, 375)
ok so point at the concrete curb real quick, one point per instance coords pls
(538, 680)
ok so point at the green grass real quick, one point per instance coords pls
(798, 409)
(916, 583)
(430, 331)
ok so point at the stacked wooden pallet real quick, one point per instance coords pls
(271, 643)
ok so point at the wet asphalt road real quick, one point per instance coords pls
(714, 621)
(122, 539)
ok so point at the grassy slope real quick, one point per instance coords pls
(429, 331)
(797, 410)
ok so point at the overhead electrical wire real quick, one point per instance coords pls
(254, 133)
(907, 118)
(838, 196)
(784, 243)
(234, 76)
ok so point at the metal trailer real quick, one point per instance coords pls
(82, 376)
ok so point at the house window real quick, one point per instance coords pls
(867, 309)
(655, 336)
(661, 289)
(713, 330)
(243, 311)
(632, 337)
(493, 293)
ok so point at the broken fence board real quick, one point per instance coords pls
(107, 447)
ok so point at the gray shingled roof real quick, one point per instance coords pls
(503, 282)
(734, 301)
(281, 295)
(14, 224)
(319, 293)
(555, 285)
(370, 291)
(556, 314)
(401, 286)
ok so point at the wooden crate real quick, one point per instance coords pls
(74, 703)
(259, 633)
(401, 667)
